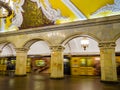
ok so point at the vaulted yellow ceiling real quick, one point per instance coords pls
(62, 11)
(86, 7)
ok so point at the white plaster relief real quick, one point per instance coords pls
(115, 9)
(49, 12)
(2, 26)
(17, 20)
(17, 7)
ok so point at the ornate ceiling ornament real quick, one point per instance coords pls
(108, 10)
(7, 8)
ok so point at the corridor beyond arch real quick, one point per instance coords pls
(74, 46)
(38, 57)
(83, 61)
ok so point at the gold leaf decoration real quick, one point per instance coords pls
(33, 16)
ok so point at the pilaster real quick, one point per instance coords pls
(56, 67)
(21, 58)
(108, 63)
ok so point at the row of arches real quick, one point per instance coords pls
(40, 47)
(37, 47)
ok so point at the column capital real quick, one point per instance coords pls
(21, 49)
(107, 44)
(57, 48)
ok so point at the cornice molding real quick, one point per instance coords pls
(66, 26)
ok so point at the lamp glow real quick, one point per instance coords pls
(84, 43)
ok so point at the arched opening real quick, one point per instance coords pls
(117, 50)
(39, 48)
(74, 47)
(8, 50)
(7, 59)
(83, 62)
(38, 60)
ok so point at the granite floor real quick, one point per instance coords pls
(43, 82)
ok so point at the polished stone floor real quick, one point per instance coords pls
(43, 82)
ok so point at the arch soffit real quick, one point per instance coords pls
(5, 43)
(116, 37)
(80, 35)
(28, 43)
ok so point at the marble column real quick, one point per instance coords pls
(108, 62)
(56, 65)
(21, 58)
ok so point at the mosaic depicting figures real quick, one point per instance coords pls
(37, 13)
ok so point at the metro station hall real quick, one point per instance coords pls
(59, 44)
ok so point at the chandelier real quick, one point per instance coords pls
(5, 10)
(84, 42)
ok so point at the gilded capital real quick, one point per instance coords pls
(57, 48)
(107, 45)
(21, 49)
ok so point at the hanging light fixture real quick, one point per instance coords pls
(84, 42)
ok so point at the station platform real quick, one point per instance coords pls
(43, 82)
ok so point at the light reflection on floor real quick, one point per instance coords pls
(43, 82)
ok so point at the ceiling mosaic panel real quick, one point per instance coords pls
(37, 13)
